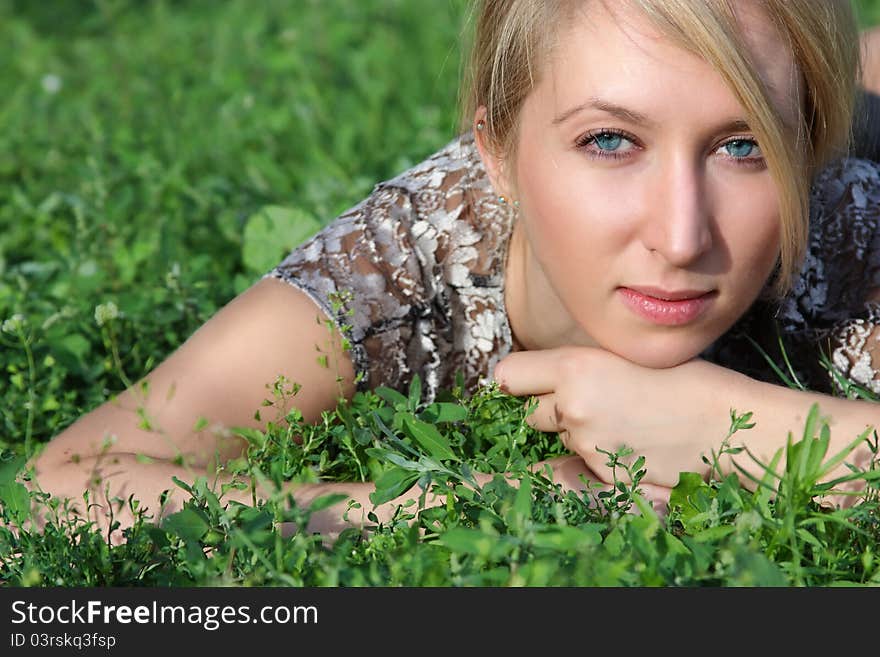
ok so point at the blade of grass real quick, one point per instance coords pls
(773, 365)
(838, 458)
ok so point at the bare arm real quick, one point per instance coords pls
(120, 475)
(112, 478)
(595, 398)
(219, 374)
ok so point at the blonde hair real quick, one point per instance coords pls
(513, 39)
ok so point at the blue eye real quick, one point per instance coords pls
(608, 141)
(741, 148)
(607, 144)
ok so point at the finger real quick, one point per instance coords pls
(545, 416)
(527, 372)
(567, 471)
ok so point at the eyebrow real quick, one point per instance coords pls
(619, 111)
(631, 116)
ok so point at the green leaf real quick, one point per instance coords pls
(393, 483)
(405, 463)
(253, 520)
(684, 494)
(614, 542)
(391, 396)
(253, 436)
(464, 492)
(185, 486)
(788, 382)
(17, 500)
(769, 470)
(522, 505)
(187, 524)
(566, 538)
(9, 469)
(866, 476)
(468, 541)
(812, 419)
(73, 347)
(427, 436)
(157, 535)
(648, 513)
(838, 458)
(714, 533)
(362, 436)
(807, 537)
(326, 501)
(272, 232)
(415, 393)
(444, 412)
(739, 422)
(755, 569)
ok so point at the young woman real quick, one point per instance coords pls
(638, 189)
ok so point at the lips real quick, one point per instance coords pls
(666, 295)
(667, 307)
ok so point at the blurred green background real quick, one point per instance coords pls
(868, 12)
(142, 141)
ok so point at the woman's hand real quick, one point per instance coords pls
(596, 399)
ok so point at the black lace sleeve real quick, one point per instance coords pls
(831, 300)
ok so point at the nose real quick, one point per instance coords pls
(677, 222)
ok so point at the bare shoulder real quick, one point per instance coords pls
(272, 329)
(218, 379)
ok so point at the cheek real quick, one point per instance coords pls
(750, 226)
(566, 211)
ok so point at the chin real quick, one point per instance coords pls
(668, 353)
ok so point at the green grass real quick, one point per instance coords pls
(868, 12)
(139, 143)
(171, 126)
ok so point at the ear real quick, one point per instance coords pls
(492, 161)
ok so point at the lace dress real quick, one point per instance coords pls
(414, 277)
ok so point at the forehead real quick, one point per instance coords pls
(616, 42)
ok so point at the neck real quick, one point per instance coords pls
(537, 318)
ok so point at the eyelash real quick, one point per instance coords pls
(584, 142)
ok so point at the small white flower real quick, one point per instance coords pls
(172, 276)
(13, 324)
(51, 83)
(106, 312)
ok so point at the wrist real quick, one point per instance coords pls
(736, 396)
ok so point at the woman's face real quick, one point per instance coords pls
(638, 180)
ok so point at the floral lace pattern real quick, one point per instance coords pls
(852, 358)
(414, 276)
(422, 260)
